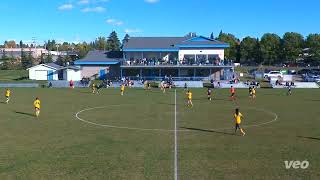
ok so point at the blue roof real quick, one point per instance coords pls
(170, 44)
(97, 58)
(151, 49)
(96, 62)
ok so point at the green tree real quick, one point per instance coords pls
(211, 36)
(313, 43)
(248, 48)
(10, 44)
(83, 49)
(48, 58)
(125, 39)
(51, 45)
(113, 43)
(292, 46)
(100, 43)
(42, 60)
(270, 45)
(21, 44)
(258, 53)
(26, 60)
(232, 52)
(60, 61)
(65, 46)
(67, 59)
(4, 54)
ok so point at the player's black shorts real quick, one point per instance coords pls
(232, 94)
(237, 126)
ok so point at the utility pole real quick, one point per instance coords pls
(35, 46)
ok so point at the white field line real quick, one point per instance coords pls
(175, 138)
(169, 130)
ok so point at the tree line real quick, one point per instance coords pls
(26, 58)
(272, 49)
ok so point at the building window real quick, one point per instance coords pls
(201, 58)
(189, 59)
(213, 58)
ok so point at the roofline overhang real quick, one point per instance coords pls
(43, 65)
(96, 62)
(203, 46)
(150, 50)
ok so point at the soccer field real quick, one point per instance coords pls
(80, 135)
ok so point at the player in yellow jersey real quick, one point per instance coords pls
(122, 89)
(189, 98)
(237, 119)
(253, 92)
(37, 106)
(94, 88)
(7, 94)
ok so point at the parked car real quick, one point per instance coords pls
(272, 74)
(312, 78)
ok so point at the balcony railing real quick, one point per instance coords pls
(140, 62)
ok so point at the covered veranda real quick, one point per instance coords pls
(177, 73)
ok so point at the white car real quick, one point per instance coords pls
(272, 74)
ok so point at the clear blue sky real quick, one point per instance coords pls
(84, 20)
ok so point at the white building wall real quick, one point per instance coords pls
(70, 74)
(40, 73)
(219, 52)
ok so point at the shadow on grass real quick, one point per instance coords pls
(23, 113)
(313, 138)
(209, 131)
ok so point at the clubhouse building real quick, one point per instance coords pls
(182, 58)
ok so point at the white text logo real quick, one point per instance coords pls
(296, 164)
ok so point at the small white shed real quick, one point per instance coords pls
(71, 73)
(48, 72)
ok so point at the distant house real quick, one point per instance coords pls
(98, 64)
(48, 71)
(54, 72)
(71, 73)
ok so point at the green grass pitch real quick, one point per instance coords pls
(140, 143)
